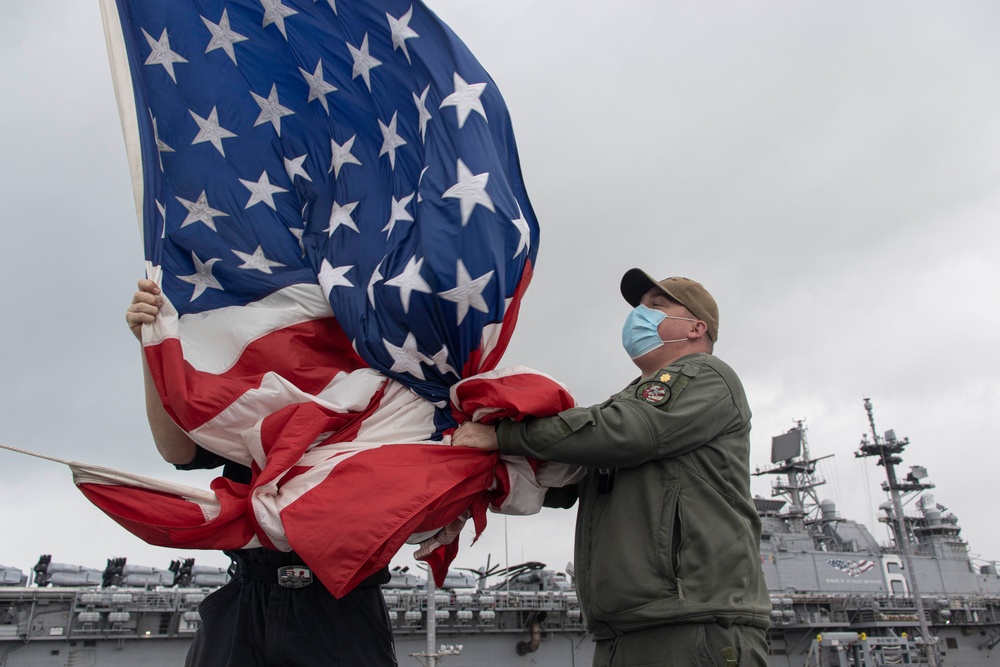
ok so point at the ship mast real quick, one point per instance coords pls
(888, 450)
(802, 482)
(791, 458)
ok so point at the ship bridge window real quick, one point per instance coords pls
(951, 642)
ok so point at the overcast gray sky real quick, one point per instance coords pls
(829, 170)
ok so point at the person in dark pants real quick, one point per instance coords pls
(667, 536)
(273, 612)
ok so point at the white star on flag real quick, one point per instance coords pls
(363, 62)
(401, 31)
(390, 140)
(398, 213)
(275, 12)
(318, 87)
(469, 191)
(294, 168)
(162, 55)
(256, 261)
(200, 211)
(160, 146)
(202, 277)
(420, 179)
(468, 293)
(465, 99)
(341, 155)
(341, 216)
(163, 218)
(522, 227)
(262, 191)
(271, 110)
(406, 359)
(377, 277)
(440, 361)
(423, 115)
(223, 37)
(410, 281)
(330, 276)
(211, 131)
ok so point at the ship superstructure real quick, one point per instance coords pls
(829, 576)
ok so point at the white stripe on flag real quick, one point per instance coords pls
(348, 392)
(213, 341)
(84, 473)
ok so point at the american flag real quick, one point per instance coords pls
(853, 568)
(331, 200)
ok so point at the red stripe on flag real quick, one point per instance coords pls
(513, 396)
(168, 520)
(309, 355)
(289, 433)
(364, 492)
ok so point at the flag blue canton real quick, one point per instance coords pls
(358, 145)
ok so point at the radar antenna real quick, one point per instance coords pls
(796, 484)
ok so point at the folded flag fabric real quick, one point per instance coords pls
(346, 506)
(331, 200)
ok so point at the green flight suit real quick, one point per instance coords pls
(667, 532)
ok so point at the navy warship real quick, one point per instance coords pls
(838, 596)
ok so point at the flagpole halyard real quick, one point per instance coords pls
(37, 456)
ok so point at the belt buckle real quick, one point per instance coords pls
(294, 576)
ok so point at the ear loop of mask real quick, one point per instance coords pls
(640, 333)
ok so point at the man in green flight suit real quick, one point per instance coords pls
(667, 536)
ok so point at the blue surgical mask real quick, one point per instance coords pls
(640, 333)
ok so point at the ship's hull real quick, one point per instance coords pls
(50, 627)
(557, 649)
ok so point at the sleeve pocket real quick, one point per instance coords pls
(577, 419)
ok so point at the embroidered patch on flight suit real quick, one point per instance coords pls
(654, 393)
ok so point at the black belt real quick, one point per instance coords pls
(292, 576)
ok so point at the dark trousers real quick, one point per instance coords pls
(685, 645)
(252, 623)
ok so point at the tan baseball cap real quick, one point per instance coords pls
(689, 293)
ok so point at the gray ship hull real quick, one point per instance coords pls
(44, 627)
